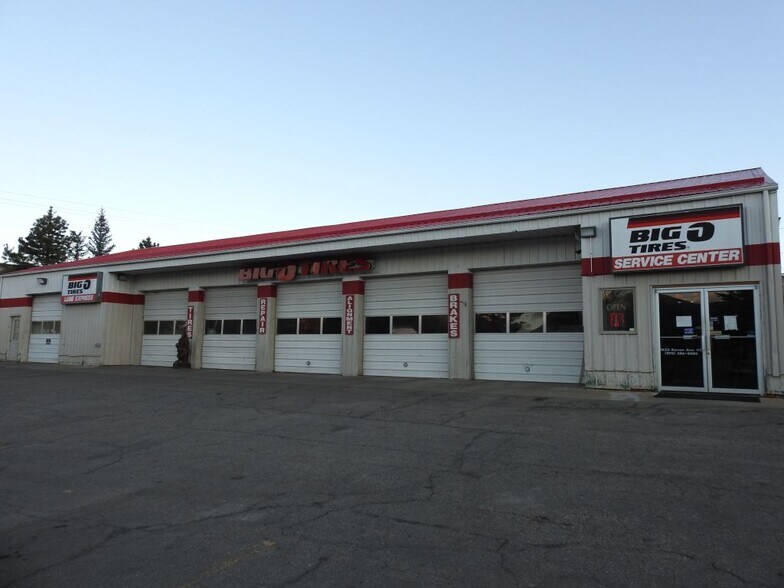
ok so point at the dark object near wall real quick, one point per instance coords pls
(183, 352)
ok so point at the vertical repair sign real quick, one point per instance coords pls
(263, 302)
(81, 289)
(678, 240)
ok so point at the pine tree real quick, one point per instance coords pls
(100, 242)
(46, 244)
(147, 243)
(78, 245)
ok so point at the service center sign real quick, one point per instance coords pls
(81, 289)
(682, 240)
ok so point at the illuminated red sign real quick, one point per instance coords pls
(289, 271)
(454, 316)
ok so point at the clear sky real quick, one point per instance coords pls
(195, 120)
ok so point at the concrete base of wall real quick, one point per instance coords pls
(620, 380)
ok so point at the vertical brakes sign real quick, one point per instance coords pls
(454, 316)
(679, 240)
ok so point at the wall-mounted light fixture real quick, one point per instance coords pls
(122, 277)
(587, 232)
(42, 281)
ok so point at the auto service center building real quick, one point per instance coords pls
(673, 285)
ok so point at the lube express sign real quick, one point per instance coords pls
(682, 240)
(81, 289)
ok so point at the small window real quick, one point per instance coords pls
(232, 326)
(166, 328)
(618, 310)
(434, 323)
(492, 322)
(248, 326)
(377, 325)
(309, 326)
(287, 326)
(332, 326)
(179, 327)
(405, 325)
(212, 327)
(37, 328)
(564, 322)
(56, 327)
(526, 322)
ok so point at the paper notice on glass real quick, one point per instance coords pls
(730, 322)
(683, 321)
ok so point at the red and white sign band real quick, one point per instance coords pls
(680, 240)
(453, 316)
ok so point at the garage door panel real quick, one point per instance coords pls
(160, 350)
(427, 356)
(534, 357)
(293, 352)
(45, 309)
(229, 351)
(415, 355)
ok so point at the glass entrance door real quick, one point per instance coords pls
(707, 340)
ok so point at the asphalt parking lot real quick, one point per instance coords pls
(176, 478)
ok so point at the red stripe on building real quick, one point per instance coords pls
(196, 295)
(122, 298)
(16, 302)
(763, 254)
(353, 287)
(758, 254)
(268, 291)
(692, 217)
(596, 266)
(465, 280)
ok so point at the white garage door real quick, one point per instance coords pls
(529, 324)
(164, 318)
(406, 327)
(309, 327)
(230, 329)
(45, 330)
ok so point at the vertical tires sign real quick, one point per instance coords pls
(679, 240)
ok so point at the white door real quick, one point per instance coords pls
(406, 327)
(230, 328)
(45, 329)
(164, 318)
(13, 344)
(309, 326)
(528, 324)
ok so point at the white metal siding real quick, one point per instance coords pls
(161, 350)
(424, 356)
(309, 353)
(534, 357)
(45, 308)
(230, 352)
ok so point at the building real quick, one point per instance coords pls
(673, 285)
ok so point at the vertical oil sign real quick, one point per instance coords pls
(454, 316)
